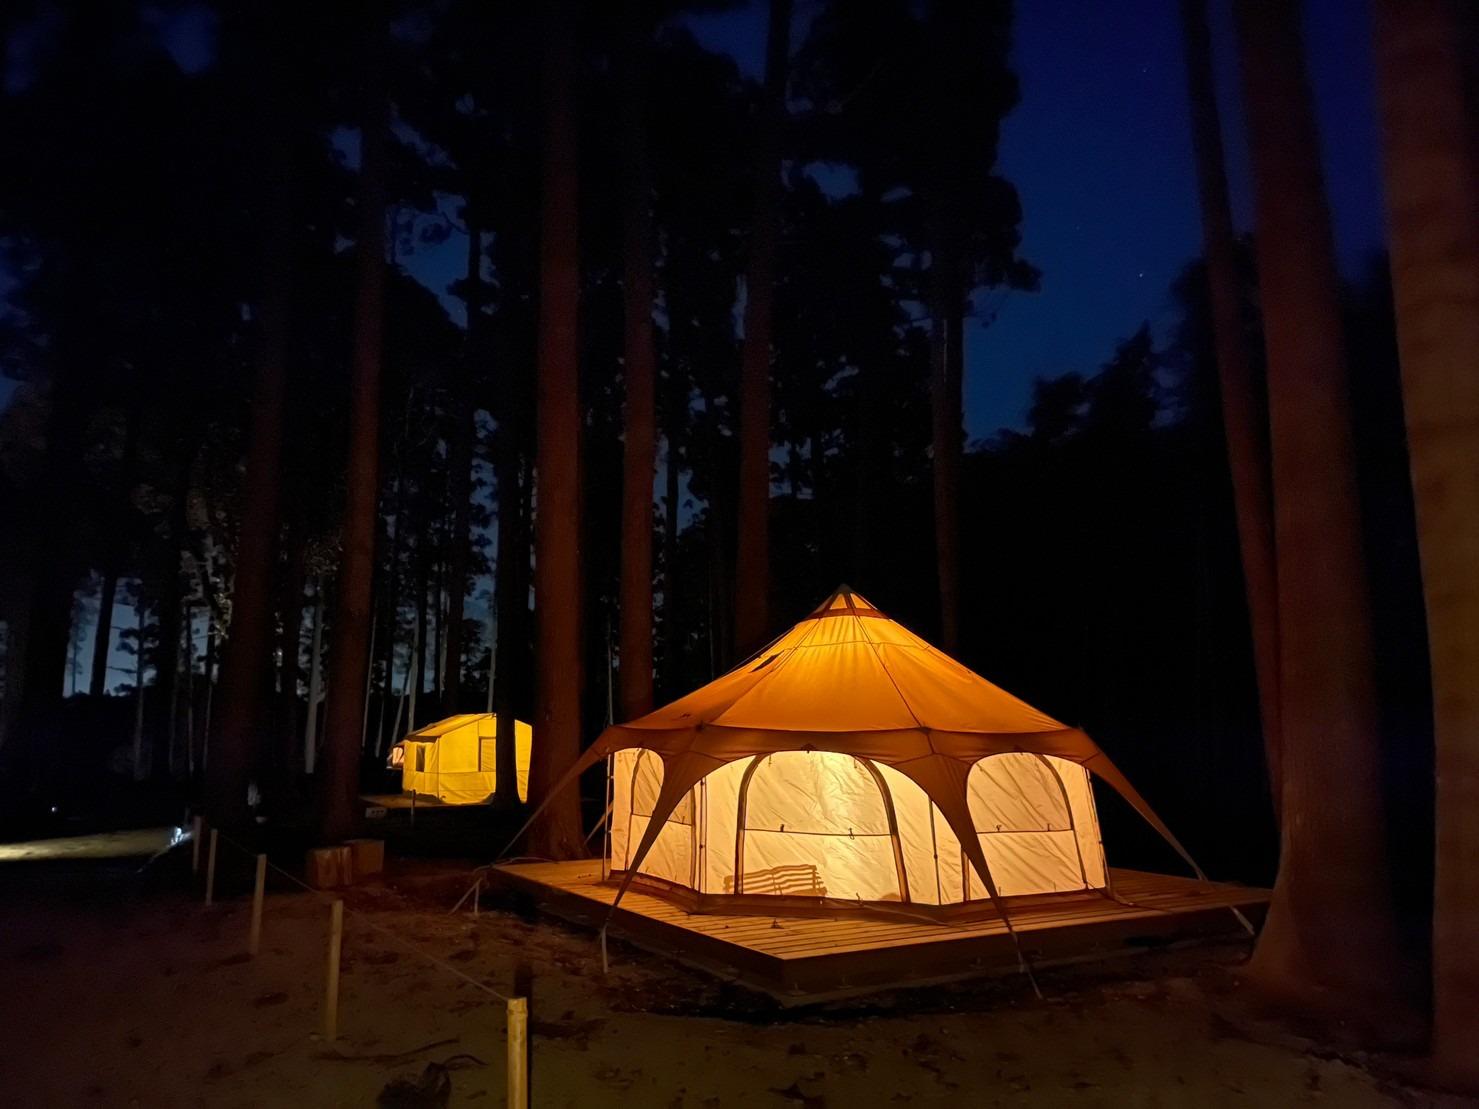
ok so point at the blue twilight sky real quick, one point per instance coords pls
(1100, 151)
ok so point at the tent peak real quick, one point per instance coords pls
(845, 600)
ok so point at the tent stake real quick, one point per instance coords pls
(259, 886)
(331, 983)
(210, 871)
(518, 1053)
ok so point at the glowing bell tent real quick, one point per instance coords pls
(455, 760)
(852, 765)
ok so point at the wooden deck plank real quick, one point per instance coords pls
(801, 959)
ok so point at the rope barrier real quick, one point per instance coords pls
(403, 944)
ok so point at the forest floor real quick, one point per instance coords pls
(121, 990)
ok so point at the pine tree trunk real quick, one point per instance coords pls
(344, 716)
(557, 585)
(285, 767)
(46, 642)
(391, 613)
(1330, 940)
(315, 679)
(1242, 418)
(946, 431)
(752, 564)
(1432, 184)
(512, 600)
(418, 660)
(947, 294)
(459, 466)
(246, 657)
(672, 609)
(639, 371)
(439, 641)
(103, 635)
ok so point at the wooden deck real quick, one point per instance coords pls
(805, 959)
(406, 801)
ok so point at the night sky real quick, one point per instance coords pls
(1100, 151)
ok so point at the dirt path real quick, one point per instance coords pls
(124, 992)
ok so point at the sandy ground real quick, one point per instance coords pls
(120, 990)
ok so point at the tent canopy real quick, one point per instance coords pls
(847, 679)
(455, 760)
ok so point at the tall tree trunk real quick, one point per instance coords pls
(640, 371)
(391, 614)
(210, 670)
(1242, 419)
(418, 660)
(315, 678)
(1330, 940)
(557, 586)
(672, 610)
(439, 642)
(47, 639)
(459, 465)
(344, 715)
(138, 751)
(947, 296)
(512, 600)
(103, 634)
(285, 767)
(752, 570)
(1432, 183)
(246, 657)
(947, 434)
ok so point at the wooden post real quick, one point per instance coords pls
(210, 870)
(331, 985)
(254, 942)
(518, 1053)
(196, 827)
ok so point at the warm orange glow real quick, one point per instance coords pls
(454, 759)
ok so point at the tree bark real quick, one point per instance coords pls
(418, 659)
(640, 371)
(459, 465)
(557, 586)
(171, 622)
(752, 568)
(1242, 419)
(315, 679)
(1432, 182)
(344, 715)
(512, 599)
(245, 659)
(947, 434)
(1329, 944)
(947, 306)
(285, 767)
(103, 635)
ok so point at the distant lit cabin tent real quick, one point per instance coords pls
(852, 765)
(455, 760)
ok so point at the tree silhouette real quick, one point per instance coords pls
(557, 585)
(1431, 181)
(1333, 862)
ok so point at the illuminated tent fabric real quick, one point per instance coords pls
(851, 762)
(455, 760)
